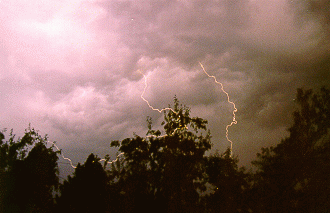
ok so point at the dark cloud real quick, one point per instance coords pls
(184, 31)
(308, 10)
(71, 67)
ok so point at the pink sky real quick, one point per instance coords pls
(70, 67)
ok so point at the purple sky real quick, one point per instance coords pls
(70, 67)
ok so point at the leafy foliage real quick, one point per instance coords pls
(28, 178)
(167, 169)
(86, 191)
(229, 184)
(291, 174)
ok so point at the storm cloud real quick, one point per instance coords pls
(71, 67)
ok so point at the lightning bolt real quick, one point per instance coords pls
(228, 99)
(144, 90)
(158, 110)
(116, 159)
(70, 161)
(62, 155)
(222, 89)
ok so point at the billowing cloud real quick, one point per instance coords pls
(71, 67)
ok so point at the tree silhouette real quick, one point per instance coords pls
(228, 182)
(28, 178)
(86, 191)
(291, 176)
(164, 172)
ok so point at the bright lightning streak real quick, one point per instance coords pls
(215, 80)
(158, 110)
(65, 158)
(70, 161)
(144, 90)
(228, 99)
(110, 162)
(151, 107)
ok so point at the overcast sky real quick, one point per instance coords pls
(70, 67)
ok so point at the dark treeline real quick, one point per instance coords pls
(171, 173)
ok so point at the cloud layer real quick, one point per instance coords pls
(70, 67)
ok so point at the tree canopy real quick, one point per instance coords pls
(166, 168)
(86, 191)
(291, 176)
(28, 178)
